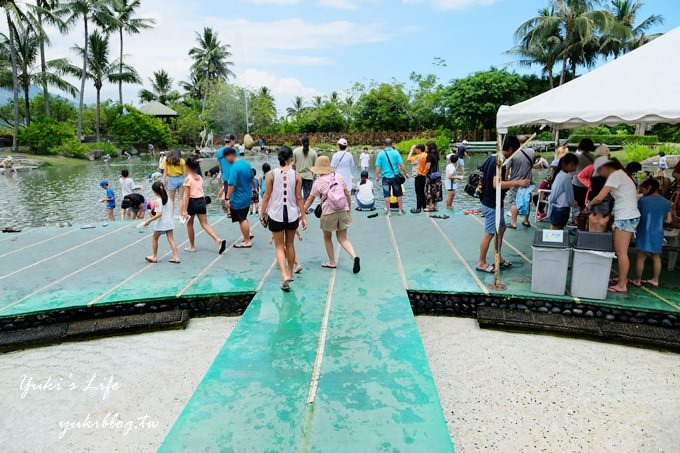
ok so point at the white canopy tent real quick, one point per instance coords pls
(642, 86)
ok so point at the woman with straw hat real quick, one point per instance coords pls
(335, 210)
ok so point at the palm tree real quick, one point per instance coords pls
(161, 89)
(191, 87)
(86, 10)
(297, 108)
(334, 97)
(47, 12)
(576, 23)
(101, 69)
(317, 102)
(28, 48)
(123, 21)
(210, 58)
(15, 15)
(623, 35)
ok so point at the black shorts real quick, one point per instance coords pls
(239, 215)
(196, 206)
(559, 217)
(277, 227)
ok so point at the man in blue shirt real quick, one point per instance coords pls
(240, 190)
(510, 146)
(389, 165)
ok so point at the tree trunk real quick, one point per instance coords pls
(567, 43)
(43, 70)
(15, 83)
(573, 69)
(82, 82)
(98, 113)
(120, 71)
(27, 100)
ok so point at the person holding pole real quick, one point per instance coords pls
(489, 204)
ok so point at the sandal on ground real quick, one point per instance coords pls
(297, 269)
(328, 266)
(173, 261)
(285, 286)
(489, 269)
(526, 225)
(241, 245)
(223, 246)
(150, 260)
(637, 285)
(357, 265)
(506, 265)
(511, 227)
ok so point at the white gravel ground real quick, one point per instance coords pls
(500, 391)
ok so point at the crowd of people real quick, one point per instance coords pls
(588, 189)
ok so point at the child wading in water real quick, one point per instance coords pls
(164, 225)
(195, 205)
(654, 211)
(255, 198)
(110, 198)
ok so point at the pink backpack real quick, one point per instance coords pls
(336, 199)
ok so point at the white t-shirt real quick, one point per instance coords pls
(624, 192)
(451, 171)
(662, 163)
(365, 192)
(127, 186)
(364, 158)
(343, 163)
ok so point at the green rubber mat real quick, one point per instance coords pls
(276, 387)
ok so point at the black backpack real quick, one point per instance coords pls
(475, 185)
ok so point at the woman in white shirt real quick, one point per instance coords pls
(343, 162)
(364, 159)
(623, 190)
(364, 194)
(283, 204)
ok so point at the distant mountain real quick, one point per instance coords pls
(6, 95)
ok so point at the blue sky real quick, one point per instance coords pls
(313, 47)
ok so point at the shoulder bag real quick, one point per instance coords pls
(398, 177)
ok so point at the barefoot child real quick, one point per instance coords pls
(255, 198)
(164, 225)
(195, 205)
(110, 198)
(654, 210)
(451, 178)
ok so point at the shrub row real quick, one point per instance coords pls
(618, 139)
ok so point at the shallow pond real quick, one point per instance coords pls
(55, 195)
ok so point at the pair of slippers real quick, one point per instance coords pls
(525, 225)
(155, 261)
(440, 217)
(644, 284)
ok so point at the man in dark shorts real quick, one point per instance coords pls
(388, 165)
(241, 184)
(134, 205)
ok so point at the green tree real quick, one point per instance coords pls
(473, 102)
(623, 35)
(132, 127)
(86, 11)
(47, 12)
(262, 109)
(383, 108)
(16, 18)
(210, 60)
(297, 107)
(101, 70)
(28, 47)
(224, 109)
(576, 23)
(426, 102)
(122, 13)
(161, 89)
(189, 124)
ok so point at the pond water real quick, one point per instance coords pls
(54, 195)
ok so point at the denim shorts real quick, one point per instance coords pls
(627, 225)
(490, 219)
(175, 182)
(390, 183)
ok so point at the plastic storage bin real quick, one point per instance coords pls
(593, 255)
(551, 254)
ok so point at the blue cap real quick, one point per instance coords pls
(103, 183)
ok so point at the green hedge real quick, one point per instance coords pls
(45, 134)
(617, 139)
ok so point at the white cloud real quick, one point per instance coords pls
(453, 4)
(284, 89)
(340, 4)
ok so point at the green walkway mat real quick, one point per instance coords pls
(275, 387)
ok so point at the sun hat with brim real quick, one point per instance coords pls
(322, 167)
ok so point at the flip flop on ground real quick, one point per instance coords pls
(649, 284)
(357, 265)
(150, 260)
(297, 269)
(174, 261)
(615, 290)
(243, 245)
(506, 265)
(328, 265)
(223, 247)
